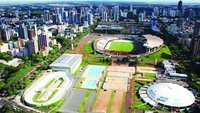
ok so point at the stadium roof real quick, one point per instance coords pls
(170, 94)
(153, 41)
(178, 75)
(66, 60)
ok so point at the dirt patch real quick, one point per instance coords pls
(117, 102)
(116, 83)
(146, 69)
(102, 102)
(83, 42)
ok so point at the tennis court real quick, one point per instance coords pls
(121, 69)
(119, 74)
(116, 80)
(116, 87)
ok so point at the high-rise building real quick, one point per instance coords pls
(43, 41)
(22, 31)
(65, 16)
(72, 14)
(1, 22)
(172, 13)
(46, 15)
(181, 23)
(195, 45)
(31, 34)
(29, 13)
(54, 19)
(156, 11)
(135, 11)
(180, 5)
(58, 19)
(1, 36)
(17, 13)
(33, 47)
(57, 11)
(116, 13)
(33, 39)
(105, 16)
(78, 18)
(153, 23)
(180, 8)
(6, 35)
(192, 13)
(90, 18)
(131, 8)
(141, 17)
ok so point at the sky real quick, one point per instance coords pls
(150, 1)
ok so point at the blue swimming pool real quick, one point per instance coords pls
(93, 71)
(91, 84)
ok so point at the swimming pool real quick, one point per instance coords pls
(93, 71)
(90, 84)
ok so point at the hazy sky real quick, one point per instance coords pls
(158, 1)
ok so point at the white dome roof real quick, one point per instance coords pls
(170, 94)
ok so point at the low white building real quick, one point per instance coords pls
(67, 62)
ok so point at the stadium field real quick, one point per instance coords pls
(121, 46)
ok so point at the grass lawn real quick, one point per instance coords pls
(53, 94)
(79, 83)
(39, 95)
(123, 103)
(50, 82)
(89, 48)
(95, 61)
(36, 97)
(110, 103)
(84, 102)
(62, 81)
(139, 104)
(121, 46)
(162, 54)
(139, 83)
(150, 75)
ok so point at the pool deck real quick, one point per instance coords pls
(97, 74)
(85, 85)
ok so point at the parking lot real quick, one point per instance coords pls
(72, 101)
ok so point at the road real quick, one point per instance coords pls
(14, 104)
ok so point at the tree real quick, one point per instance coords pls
(5, 56)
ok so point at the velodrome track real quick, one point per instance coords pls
(39, 86)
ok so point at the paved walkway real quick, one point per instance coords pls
(128, 100)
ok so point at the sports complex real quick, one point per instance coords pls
(119, 46)
(48, 89)
(166, 95)
(92, 76)
(111, 87)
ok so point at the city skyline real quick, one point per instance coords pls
(92, 56)
(147, 1)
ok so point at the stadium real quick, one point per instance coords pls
(114, 46)
(131, 46)
(48, 89)
(166, 95)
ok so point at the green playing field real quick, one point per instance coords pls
(121, 46)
